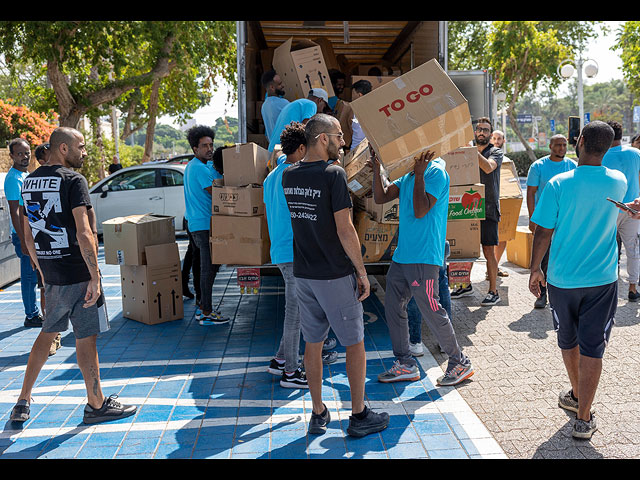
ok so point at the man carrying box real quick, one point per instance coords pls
(415, 266)
(59, 235)
(198, 183)
(575, 218)
(331, 280)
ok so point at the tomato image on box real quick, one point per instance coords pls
(466, 202)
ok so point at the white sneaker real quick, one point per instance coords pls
(416, 349)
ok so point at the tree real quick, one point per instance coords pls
(628, 41)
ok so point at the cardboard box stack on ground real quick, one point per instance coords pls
(420, 110)
(510, 201)
(145, 248)
(519, 249)
(378, 241)
(239, 234)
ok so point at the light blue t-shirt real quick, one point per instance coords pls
(270, 110)
(296, 111)
(278, 216)
(627, 160)
(422, 240)
(584, 251)
(197, 177)
(13, 187)
(544, 169)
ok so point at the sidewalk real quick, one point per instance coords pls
(203, 392)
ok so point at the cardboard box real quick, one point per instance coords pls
(153, 293)
(519, 249)
(381, 213)
(420, 110)
(466, 202)
(301, 67)
(239, 240)
(361, 149)
(464, 238)
(462, 166)
(240, 201)
(359, 173)
(328, 54)
(244, 164)
(378, 241)
(125, 238)
(510, 201)
(259, 139)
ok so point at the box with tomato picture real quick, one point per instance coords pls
(466, 202)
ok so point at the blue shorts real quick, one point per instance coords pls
(584, 317)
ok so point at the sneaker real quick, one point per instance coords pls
(198, 313)
(213, 318)
(462, 292)
(400, 373)
(319, 421)
(20, 412)
(634, 296)
(456, 375)
(329, 344)
(373, 422)
(33, 322)
(416, 349)
(110, 410)
(584, 429)
(491, 299)
(297, 379)
(275, 367)
(329, 357)
(566, 401)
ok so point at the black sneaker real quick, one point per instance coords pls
(329, 357)
(319, 421)
(33, 322)
(297, 379)
(329, 344)
(20, 412)
(275, 367)
(491, 299)
(110, 410)
(462, 292)
(371, 423)
(634, 296)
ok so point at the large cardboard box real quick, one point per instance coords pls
(420, 110)
(462, 166)
(361, 149)
(519, 249)
(510, 201)
(301, 67)
(378, 241)
(244, 164)
(239, 240)
(382, 213)
(466, 202)
(125, 238)
(359, 172)
(464, 238)
(240, 201)
(152, 293)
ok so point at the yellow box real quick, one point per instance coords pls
(519, 249)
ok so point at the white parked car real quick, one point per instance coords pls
(154, 187)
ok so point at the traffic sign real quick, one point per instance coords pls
(525, 118)
(636, 114)
(552, 123)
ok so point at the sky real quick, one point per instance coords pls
(609, 65)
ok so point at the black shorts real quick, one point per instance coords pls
(489, 232)
(584, 317)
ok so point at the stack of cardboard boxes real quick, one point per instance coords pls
(239, 233)
(145, 248)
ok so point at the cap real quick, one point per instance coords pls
(320, 93)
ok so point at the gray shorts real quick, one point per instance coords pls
(331, 304)
(64, 303)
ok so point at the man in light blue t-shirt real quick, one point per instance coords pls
(198, 183)
(627, 160)
(274, 101)
(575, 218)
(423, 206)
(20, 154)
(540, 172)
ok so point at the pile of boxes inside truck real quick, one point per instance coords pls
(145, 248)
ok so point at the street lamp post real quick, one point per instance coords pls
(566, 70)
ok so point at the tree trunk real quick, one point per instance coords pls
(151, 126)
(95, 124)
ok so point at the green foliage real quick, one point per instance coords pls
(628, 41)
(523, 162)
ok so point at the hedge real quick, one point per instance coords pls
(522, 160)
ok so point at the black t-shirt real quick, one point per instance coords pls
(314, 191)
(50, 194)
(491, 182)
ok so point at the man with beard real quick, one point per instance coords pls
(489, 162)
(274, 102)
(540, 172)
(331, 281)
(60, 237)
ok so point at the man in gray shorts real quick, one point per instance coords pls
(331, 280)
(59, 225)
